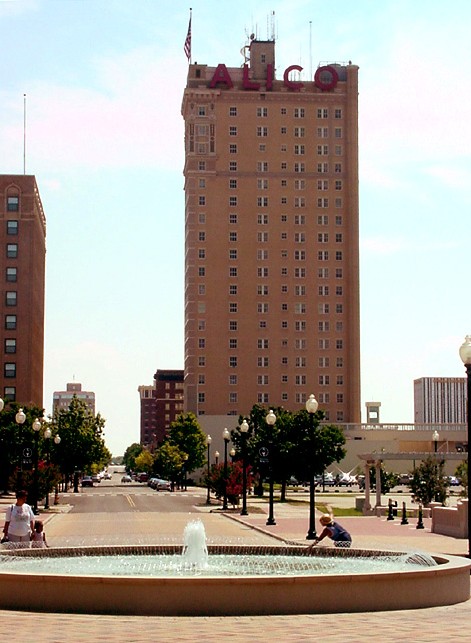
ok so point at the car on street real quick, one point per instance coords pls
(126, 479)
(87, 481)
(163, 485)
(96, 477)
(454, 481)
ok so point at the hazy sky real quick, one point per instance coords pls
(104, 81)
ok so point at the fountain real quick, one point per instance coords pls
(203, 579)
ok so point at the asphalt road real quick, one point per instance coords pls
(116, 497)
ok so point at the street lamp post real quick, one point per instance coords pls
(185, 459)
(226, 436)
(57, 441)
(20, 418)
(208, 444)
(465, 354)
(47, 437)
(311, 407)
(36, 429)
(435, 438)
(216, 457)
(270, 420)
(244, 427)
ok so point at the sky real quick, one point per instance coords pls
(104, 81)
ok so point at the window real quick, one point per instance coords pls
(233, 361)
(262, 398)
(262, 362)
(233, 184)
(324, 380)
(201, 398)
(299, 112)
(262, 112)
(201, 289)
(323, 150)
(232, 218)
(262, 272)
(233, 344)
(262, 237)
(262, 380)
(9, 369)
(9, 393)
(338, 219)
(10, 322)
(323, 309)
(337, 113)
(233, 254)
(202, 360)
(322, 113)
(262, 255)
(299, 219)
(262, 166)
(12, 250)
(323, 326)
(233, 380)
(299, 202)
(233, 201)
(300, 184)
(283, 130)
(262, 219)
(201, 380)
(300, 255)
(232, 307)
(323, 255)
(300, 309)
(300, 380)
(338, 168)
(322, 184)
(299, 237)
(323, 132)
(300, 291)
(262, 184)
(262, 131)
(11, 274)
(262, 308)
(201, 218)
(201, 324)
(323, 202)
(338, 255)
(300, 326)
(232, 324)
(323, 219)
(232, 111)
(262, 290)
(338, 238)
(201, 271)
(201, 200)
(11, 298)
(323, 291)
(338, 132)
(201, 253)
(232, 289)
(201, 110)
(232, 166)
(232, 271)
(233, 398)
(233, 237)
(10, 346)
(323, 237)
(262, 343)
(299, 150)
(300, 273)
(232, 149)
(232, 130)
(323, 168)
(13, 203)
(262, 201)
(12, 228)
(299, 132)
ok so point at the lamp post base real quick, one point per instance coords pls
(311, 535)
(271, 521)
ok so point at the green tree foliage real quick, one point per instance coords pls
(82, 444)
(429, 482)
(389, 480)
(145, 461)
(169, 461)
(462, 474)
(14, 438)
(130, 455)
(185, 433)
(317, 445)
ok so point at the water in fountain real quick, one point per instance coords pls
(195, 550)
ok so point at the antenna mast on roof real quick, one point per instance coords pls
(272, 26)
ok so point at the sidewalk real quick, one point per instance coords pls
(291, 524)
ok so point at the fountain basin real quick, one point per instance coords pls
(446, 583)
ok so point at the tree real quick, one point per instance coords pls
(130, 455)
(169, 461)
(429, 482)
(234, 481)
(145, 461)
(317, 445)
(462, 474)
(388, 479)
(82, 444)
(186, 434)
(14, 438)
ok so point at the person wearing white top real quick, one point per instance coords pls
(19, 520)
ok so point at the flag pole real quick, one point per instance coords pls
(187, 45)
(24, 133)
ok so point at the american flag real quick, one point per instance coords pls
(187, 45)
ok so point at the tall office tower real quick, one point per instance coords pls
(440, 400)
(61, 399)
(161, 404)
(271, 218)
(22, 270)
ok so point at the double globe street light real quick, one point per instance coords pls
(270, 419)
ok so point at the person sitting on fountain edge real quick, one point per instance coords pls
(334, 531)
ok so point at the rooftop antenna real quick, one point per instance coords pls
(272, 26)
(24, 133)
(310, 49)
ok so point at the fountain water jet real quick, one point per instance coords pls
(195, 550)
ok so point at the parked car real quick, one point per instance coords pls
(107, 476)
(96, 478)
(126, 479)
(454, 481)
(87, 481)
(163, 485)
(142, 477)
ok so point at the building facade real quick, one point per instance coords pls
(22, 270)
(161, 404)
(62, 399)
(271, 222)
(440, 399)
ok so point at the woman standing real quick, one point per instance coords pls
(19, 520)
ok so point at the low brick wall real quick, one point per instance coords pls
(451, 521)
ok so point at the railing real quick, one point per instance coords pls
(429, 428)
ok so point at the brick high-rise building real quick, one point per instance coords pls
(22, 270)
(272, 248)
(61, 399)
(161, 404)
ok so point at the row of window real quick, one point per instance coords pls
(262, 131)
(263, 202)
(298, 237)
(263, 166)
(297, 112)
(263, 219)
(298, 150)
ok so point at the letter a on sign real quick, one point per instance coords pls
(221, 75)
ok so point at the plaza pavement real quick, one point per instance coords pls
(451, 623)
